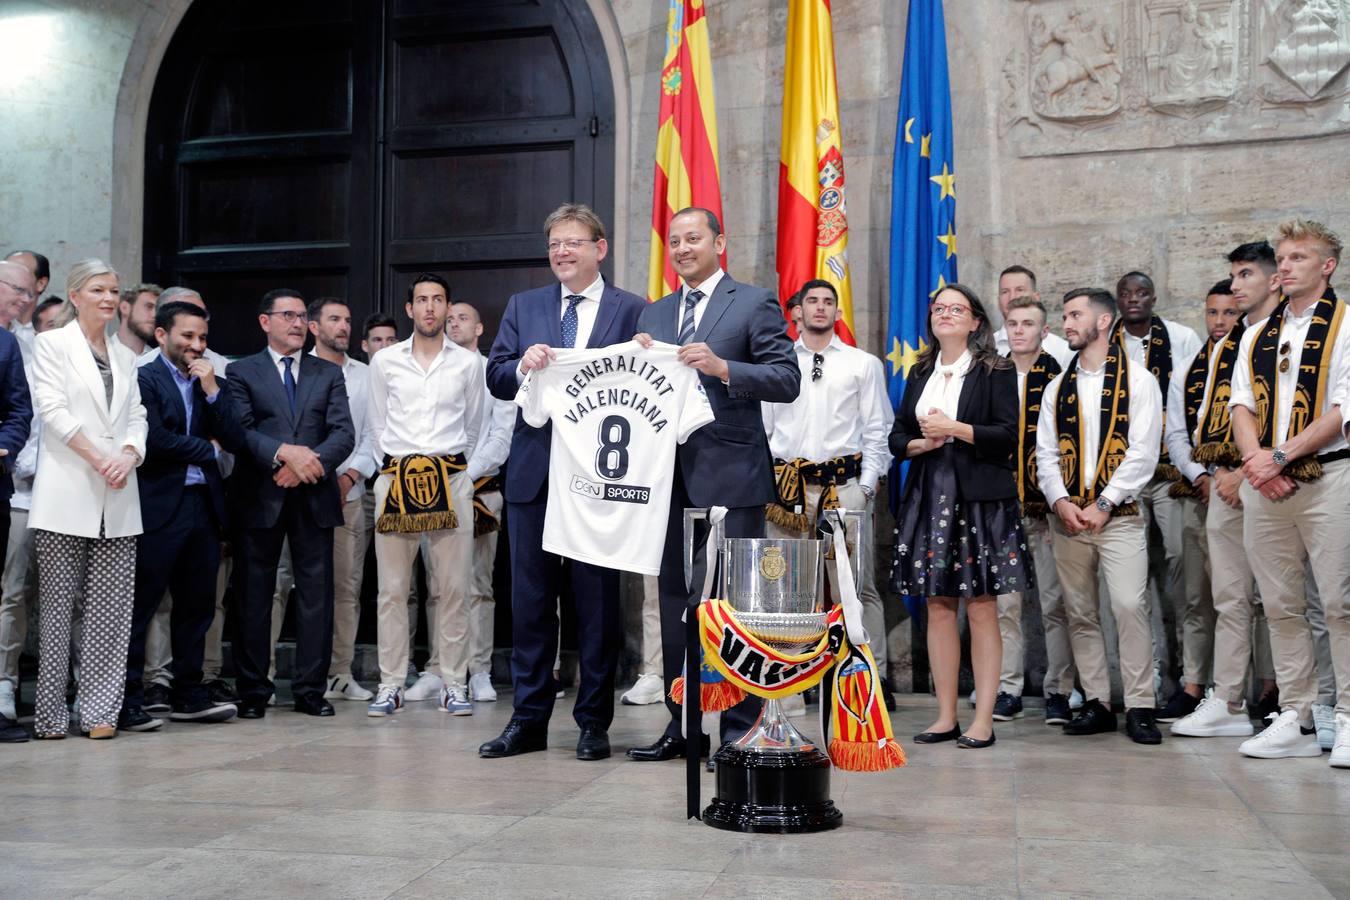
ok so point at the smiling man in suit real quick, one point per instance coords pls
(735, 335)
(183, 511)
(297, 430)
(580, 311)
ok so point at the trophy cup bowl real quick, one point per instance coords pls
(775, 779)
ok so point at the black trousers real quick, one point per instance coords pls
(182, 556)
(256, 557)
(537, 579)
(741, 522)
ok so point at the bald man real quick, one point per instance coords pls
(41, 270)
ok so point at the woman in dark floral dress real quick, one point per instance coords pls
(960, 529)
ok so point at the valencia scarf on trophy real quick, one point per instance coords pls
(1043, 371)
(419, 494)
(1084, 484)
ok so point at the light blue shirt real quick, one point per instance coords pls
(184, 385)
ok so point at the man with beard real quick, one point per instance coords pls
(1097, 443)
(1159, 346)
(136, 308)
(426, 407)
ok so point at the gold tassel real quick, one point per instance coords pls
(785, 518)
(1306, 469)
(1183, 489)
(405, 523)
(1167, 472)
(1217, 453)
(871, 756)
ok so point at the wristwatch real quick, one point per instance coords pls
(1280, 457)
(868, 492)
(1105, 505)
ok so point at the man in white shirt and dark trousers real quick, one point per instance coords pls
(833, 437)
(426, 406)
(1097, 443)
(486, 459)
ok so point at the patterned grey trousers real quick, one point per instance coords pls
(104, 571)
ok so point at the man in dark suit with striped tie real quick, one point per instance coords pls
(581, 311)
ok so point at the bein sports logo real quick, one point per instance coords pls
(618, 493)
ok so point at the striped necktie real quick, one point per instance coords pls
(687, 326)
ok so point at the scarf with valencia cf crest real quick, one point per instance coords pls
(1084, 484)
(1209, 428)
(1158, 360)
(1042, 372)
(1314, 371)
(419, 494)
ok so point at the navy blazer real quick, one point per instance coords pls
(170, 447)
(989, 404)
(727, 462)
(322, 422)
(535, 317)
(16, 409)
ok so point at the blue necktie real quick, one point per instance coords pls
(569, 322)
(687, 326)
(288, 379)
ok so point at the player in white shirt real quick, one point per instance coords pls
(836, 431)
(24, 324)
(426, 407)
(1019, 281)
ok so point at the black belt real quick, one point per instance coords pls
(456, 458)
(834, 471)
(1334, 456)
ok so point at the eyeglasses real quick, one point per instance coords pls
(291, 315)
(1284, 356)
(817, 366)
(955, 311)
(572, 244)
(21, 291)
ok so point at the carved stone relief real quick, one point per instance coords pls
(1304, 47)
(1192, 54)
(1075, 63)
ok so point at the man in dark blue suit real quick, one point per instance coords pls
(17, 287)
(735, 335)
(297, 430)
(190, 418)
(581, 311)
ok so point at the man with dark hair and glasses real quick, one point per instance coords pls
(833, 436)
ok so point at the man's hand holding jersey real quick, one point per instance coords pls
(697, 356)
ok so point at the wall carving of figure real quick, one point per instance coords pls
(1075, 64)
(1192, 53)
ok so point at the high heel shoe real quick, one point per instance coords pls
(970, 743)
(938, 737)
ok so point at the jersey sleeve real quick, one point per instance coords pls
(695, 411)
(532, 399)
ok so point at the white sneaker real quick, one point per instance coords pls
(1282, 738)
(7, 701)
(426, 687)
(1212, 719)
(1076, 699)
(455, 701)
(1324, 720)
(794, 706)
(342, 687)
(387, 702)
(649, 688)
(1340, 751)
(481, 689)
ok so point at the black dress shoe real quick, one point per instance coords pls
(593, 744)
(970, 743)
(313, 705)
(666, 747)
(219, 691)
(1093, 718)
(520, 736)
(11, 732)
(1179, 706)
(252, 709)
(1142, 726)
(938, 737)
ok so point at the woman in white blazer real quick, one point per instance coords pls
(86, 509)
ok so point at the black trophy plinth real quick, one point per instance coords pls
(772, 792)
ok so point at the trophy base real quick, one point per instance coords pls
(772, 793)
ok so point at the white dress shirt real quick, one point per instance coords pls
(26, 335)
(1053, 344)
(845, 411)
(708, 285)
(1185, 344)
(25, 464)
(489, 452)
(943, 388)
(1144, 436)
(281, 367)
(356, 375)
(587, 309)
(1176, 435)
(1294, 329)
(435, 411)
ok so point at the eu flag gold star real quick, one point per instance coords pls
(909, 138)
(948, 240)
(925, 143)
(947, 182)
(903, 358)
(942, 283)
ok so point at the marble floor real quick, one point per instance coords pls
(294, 807)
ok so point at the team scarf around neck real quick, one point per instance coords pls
(1310, 390)
(484, 522)
(736, 662)
(1158, 360)
(1209, 429)
(1114, 408)
(419, 494)
(1042, 372)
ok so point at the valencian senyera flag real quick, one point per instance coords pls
(812, 214)
(686, 138)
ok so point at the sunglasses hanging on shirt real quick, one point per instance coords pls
(817, 366)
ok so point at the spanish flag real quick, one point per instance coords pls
(812, 214)
(686, 139)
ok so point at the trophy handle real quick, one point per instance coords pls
(692, 516)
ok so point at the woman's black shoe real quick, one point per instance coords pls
(970, 743)
(938, 737)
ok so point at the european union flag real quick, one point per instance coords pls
(923, 197)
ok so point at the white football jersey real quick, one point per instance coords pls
(618, 413)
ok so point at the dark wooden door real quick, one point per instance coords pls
(339, 148)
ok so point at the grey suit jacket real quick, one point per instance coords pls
(727, 462)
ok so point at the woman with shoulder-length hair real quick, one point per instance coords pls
(86, 510)
(960, 529)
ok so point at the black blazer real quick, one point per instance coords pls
(988, 403)
(322, 421)
(170, 448)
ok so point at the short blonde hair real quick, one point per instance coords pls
(79, 276)
(1301, 229)
(579, 213)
